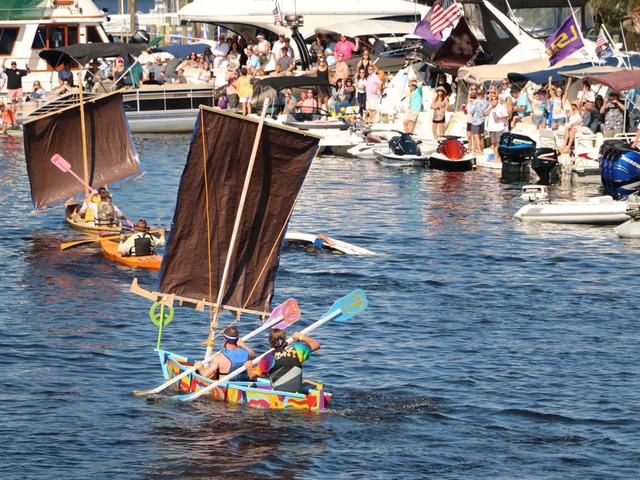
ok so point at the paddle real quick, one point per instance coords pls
(285, 314)
(64, 166)
(75, 243)
(342, 310)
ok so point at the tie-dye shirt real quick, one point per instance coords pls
(301, 349)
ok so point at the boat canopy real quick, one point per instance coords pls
(82, 53)
(182, 50)
(208, 201)
(617, 81)
(559, 74)
(112, 157)
(483, 73)
(369, 27)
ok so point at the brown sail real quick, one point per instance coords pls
(218, 171)
(111, 154)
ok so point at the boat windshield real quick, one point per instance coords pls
(540, 22)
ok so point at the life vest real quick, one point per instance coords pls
(106, 213)
(286, 373)
(237, 357)
(142, 246)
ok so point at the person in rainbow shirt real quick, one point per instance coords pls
(283, 365)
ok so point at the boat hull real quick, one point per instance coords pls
(149, 262)
(254, 394)
(76, 223)
(393, 160)
(438, 161)
(598, 210)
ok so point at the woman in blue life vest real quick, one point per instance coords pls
(283, 365)
(233, 355)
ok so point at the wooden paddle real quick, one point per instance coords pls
(342, 310)
(64, 166)
(76, 243)
(285, 314)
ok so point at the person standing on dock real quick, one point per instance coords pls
(14, 81)
(233, 355)
(346, 47)
(284, 365)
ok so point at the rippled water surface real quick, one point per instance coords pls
(491, 348)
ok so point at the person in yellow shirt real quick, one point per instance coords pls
(245, 90)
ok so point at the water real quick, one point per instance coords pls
(491, 348)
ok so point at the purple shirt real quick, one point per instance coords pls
(373, 86)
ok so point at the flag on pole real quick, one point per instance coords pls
(566, 40)
(603, 49)
(423, 30)
(443, 14)
(277, 14)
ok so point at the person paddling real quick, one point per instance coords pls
(141, 243)
(99, 209)
(283, 366)
(232, 356)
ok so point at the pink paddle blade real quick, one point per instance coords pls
(61, 163)
(290, 313)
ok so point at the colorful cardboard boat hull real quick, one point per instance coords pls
(110, 252)
(254, 394)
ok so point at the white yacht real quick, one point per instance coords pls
(42, 24)
(245, 16)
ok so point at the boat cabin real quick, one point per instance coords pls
(38, 25)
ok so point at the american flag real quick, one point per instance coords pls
(601, 43)
(443, 14)
(277, 15)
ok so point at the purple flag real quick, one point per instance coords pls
(423, 30)
(566, 40)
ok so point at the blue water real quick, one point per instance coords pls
(491, 349)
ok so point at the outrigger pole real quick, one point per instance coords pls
(236, 226)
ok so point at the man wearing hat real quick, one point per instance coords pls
(141, 243)
(99, 209)
(264, 47)
(233, 355)
(14, 80)
(415, 106)
(590, 117)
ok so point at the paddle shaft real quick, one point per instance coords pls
(268, 324)
(238, 371)
(75, 243)
(236, 224)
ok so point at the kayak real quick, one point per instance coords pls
(75, 222)
(255, 394)
(110, 251)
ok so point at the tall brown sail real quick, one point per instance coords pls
(216, 170)
(111, 153)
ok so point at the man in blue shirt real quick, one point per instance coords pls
(522, 108)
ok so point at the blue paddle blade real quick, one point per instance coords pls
(350, 305)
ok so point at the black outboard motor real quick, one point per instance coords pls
(545, 164)
(516, 152)
(403, 144)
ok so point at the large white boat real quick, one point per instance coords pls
(41, 24)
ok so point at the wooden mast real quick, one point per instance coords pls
(85, 160)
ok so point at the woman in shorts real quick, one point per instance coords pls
(245, 90)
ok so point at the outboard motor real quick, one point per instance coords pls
(516, 152)
(620, 170)
(403, 144)
(545, 164)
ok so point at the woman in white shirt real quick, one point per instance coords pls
(575, 120)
